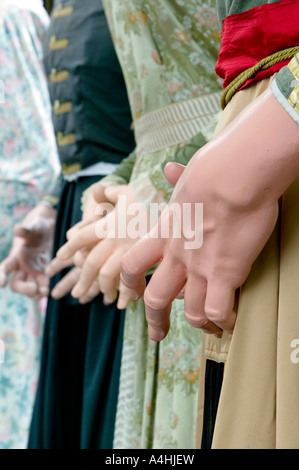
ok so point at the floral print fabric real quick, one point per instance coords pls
(168, 51)
(28, 167)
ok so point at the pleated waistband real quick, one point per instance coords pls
(175, 123)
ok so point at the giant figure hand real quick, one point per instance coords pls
(238, 177)
(30, 253)
(92, 198)
(69, 280)
(106, 241)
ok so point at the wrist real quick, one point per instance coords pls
(253, 160)
(43, 210)
(40, 210)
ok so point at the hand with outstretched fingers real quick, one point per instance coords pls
(69, 280)
(120, 291)
(110, 237)
(94, 196)
(238, 178)
(30, 253)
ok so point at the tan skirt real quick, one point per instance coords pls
(259, 401)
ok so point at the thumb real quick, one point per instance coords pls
(173, 171)
(99, 192)
(112, 192)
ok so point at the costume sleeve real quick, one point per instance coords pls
(122, 174)
(286, 88)
(148, 185)
(151, 182)
(52, 198)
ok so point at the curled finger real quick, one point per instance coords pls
(109, 276)
(91, 267)
(66, 284)
(145, 254)
(91, 294)
(7, 266)
(57, 265)
(159, 295)
(23, 284)
(194, 305)
(219, 305)
(83, 239)
(124, 296)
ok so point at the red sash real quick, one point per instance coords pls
(249, 37)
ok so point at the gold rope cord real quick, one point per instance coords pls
(264, 64)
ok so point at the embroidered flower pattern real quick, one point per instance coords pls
(206, 17)
(28, 167)
(171, 46)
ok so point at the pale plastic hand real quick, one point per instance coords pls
(104, 259)
(120, 291)
(93, 198)
(67, 283)
(30, 253)
(93, 210)
(239, 177)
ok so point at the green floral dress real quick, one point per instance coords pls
(168, 51)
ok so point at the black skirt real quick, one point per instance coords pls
(213, 384)
(77, 393)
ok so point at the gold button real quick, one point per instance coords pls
(53, 199)
(57, 77)
(61, 11)
(61, 108)
(57, 44)
(63, 140)
(69, 169)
